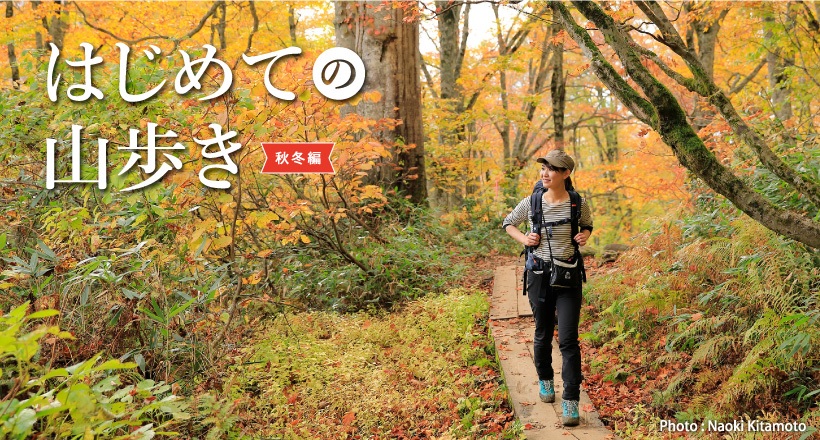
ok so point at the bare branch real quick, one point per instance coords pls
(428, 77)
(465, 32)
(742, 83)
(255, 28)
(176, 41)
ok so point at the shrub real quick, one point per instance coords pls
(87, 398)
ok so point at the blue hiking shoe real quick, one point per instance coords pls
(546, 391)
(570, 413)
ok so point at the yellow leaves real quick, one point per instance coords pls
(373, 96)
(259, 90)
(220, 242)
(227, 208)
(305, 239)
(265, 218)
(372, 192)
(207, 225)
(354, 101)
(95, 243)
(264, 254)
(254, 279)
(339, 214)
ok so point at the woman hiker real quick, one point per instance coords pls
(544, 299)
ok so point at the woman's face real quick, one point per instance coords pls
(553, 178)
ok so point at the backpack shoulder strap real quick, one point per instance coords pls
(575, 218)
(536, 216)
(536, 204)
(575, 211)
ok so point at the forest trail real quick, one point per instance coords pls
(512, 329)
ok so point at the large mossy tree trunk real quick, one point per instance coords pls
(388, 46)
(659, 109)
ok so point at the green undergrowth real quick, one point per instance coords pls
(708, 321)
(426, 369)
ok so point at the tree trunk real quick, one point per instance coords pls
(292, 24)
(38, 36)
(558, 88)
(777, 61)
(15, 71)
(661, 111)
(452, 44)
(518, 139)
(222, 13)
(704, 27)
(451, 57)
(408, 102)
(389, 49)
(57, 25)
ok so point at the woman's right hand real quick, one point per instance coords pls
(532, 239)
(528, 239)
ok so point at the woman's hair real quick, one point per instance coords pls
(567, 181)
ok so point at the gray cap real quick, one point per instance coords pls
(558, 159)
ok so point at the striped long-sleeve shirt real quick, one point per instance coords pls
(561, 241)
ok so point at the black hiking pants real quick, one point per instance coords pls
(544, 300)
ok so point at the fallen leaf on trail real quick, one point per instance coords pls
(528, 426)
(503, 358)
(588, 407)
(527, 403)
(566, 433)
(348, 418)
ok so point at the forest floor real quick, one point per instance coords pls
(425, 370)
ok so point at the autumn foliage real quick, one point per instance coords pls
(178, 302)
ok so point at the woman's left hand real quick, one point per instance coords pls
(581, 237)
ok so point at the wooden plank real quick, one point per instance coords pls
(502, 300)
(513, 343)
(522, 384)
(591, 427)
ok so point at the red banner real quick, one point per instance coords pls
(297, 158)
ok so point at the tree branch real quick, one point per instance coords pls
(176, 41)
(255, 28)
(465, 32)
(689, 83)
(639, 107)
(684, 142)
(428, 77)
(742, 83)
(704, 86)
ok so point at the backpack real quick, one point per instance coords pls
(536, 215)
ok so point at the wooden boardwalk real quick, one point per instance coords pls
(512, 328)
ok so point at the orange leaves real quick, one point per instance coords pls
(348, 418)
(291, 398)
